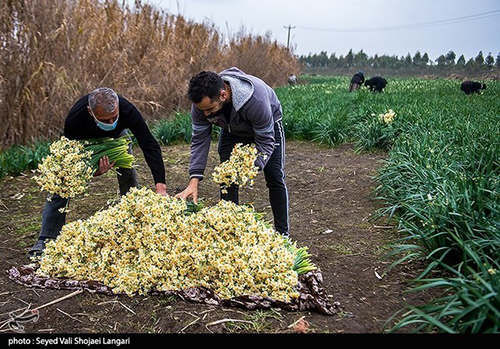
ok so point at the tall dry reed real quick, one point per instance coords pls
(54, 51)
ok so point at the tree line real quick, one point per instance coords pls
(418, 63)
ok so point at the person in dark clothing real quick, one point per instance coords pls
(470, 87)
(376, 84)
(103, 113)
(357, 81)
(248, 111)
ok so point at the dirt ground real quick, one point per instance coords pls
(331, 201)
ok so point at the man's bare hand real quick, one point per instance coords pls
(161, 189)
(104, 166)
(190, 191)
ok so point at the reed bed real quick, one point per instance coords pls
(54, 51)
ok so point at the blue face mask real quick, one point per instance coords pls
(106, 127)
(103, 126)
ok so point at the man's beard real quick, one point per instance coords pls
(218, 112)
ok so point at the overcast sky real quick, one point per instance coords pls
(393, 27)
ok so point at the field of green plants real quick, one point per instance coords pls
(440, 184)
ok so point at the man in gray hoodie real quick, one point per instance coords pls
(248, 111)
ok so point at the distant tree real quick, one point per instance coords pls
(441, 61)
(425, 58)
(397, 63)
(450, 58)
(317, 60)
(479, 60)
(489, 61)
(383, 61)
(360, 59)
(333, 60)
(498, 60)
(349, 59)
(341, 62)
(470, 64)
(461, 61)
(408, 61)
(323, 59)
(417, 59)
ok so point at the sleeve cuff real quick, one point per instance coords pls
(199, 176)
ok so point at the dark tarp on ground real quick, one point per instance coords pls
(312, 296)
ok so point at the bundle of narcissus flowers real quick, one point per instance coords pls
(388, 117)
(66, 170)
(239, 169)
(70, 165)
(148, 242)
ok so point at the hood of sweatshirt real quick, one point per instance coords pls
(242, 87)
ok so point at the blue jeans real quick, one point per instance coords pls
(53, 220)
(274, 173)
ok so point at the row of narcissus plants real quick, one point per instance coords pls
(149, 242)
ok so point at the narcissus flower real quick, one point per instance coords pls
(388, 117)
(240, 169)
(70, 165)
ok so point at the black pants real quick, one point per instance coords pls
(274, 173)
(53, 220)
(354, 86)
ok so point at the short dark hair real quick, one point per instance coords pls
(205, 84)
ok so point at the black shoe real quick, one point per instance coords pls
(37, 249)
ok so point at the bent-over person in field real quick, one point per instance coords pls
(248, 112)
(103, 113)
(357, 81)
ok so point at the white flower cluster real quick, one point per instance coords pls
(66, 170)
(388, 117)
(239, 169)
(149, 242)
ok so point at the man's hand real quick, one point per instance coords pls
(190, 191)
(161, 189)
(104, 166)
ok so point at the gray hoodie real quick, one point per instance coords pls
(255, 110)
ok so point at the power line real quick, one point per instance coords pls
(410, 26)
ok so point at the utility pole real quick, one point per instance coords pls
(288, 41)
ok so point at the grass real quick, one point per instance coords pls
(339, 249)
(257, 321)
(176, 129)
(19, 159)
(30, 228)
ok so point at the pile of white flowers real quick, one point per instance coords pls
(150, 242)
(239, 169)
(388, 117)
(66, 171)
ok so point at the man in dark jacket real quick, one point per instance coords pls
(356, 81)
(100, 114)
(248, 111)
(376, 84)
(470, 87)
